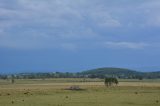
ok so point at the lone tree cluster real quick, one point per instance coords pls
(111, 81)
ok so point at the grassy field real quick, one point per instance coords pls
(52, 92)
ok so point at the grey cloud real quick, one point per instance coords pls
(41, 22)
(151, 13)
(127, 45)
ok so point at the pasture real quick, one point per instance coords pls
(52, 92)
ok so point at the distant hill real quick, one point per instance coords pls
(120, 73)
(110, 70)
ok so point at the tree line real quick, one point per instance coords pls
(79, 75)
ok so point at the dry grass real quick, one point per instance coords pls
(95, 94)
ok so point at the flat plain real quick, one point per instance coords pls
(53, 92)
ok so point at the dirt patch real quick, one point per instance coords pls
(74, 88)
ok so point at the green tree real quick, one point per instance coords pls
(110, 81)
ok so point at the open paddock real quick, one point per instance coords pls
(52, 92)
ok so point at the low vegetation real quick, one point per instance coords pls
(33, 93)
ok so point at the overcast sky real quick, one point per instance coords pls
(75, 35)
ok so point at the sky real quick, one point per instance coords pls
(77, 35)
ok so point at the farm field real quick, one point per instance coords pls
(52, 92)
